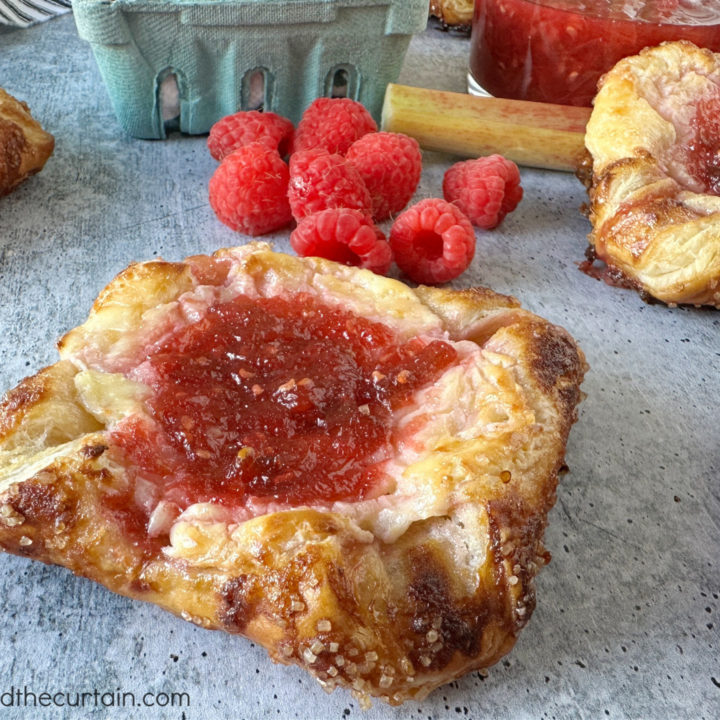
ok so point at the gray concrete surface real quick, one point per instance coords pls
(627, 619)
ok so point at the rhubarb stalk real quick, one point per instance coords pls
(529, 133)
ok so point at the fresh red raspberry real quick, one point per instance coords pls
(242, 128)
(248, 191)
(319, 180)
(344, 235)
(486, 189)
(333, 124)
(433, 242)
(390, 164)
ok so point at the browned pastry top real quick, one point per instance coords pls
(24, 145)
(454, 13)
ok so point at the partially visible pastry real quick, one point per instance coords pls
(654, 138)
(24, 145)
(454, 13)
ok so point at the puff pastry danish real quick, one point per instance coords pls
(24, 145)
(453, 13)
(654, 138)
(353, 473)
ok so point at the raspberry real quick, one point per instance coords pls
(333, 124)
(248, 191)
(344, 235)
(433, 241)
(486, 189)
(242, 128)
(319, 180)
(390, 164)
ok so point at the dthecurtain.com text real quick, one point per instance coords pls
(26, 697)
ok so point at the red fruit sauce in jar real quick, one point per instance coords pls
(283, 399)
(556, 50)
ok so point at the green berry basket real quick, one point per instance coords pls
(184, 64)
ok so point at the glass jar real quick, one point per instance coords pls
(556, 50)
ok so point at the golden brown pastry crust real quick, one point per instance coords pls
(24, 145)
(651, 221)
(454, 13)
(390, 597)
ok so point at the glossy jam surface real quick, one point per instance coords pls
(556, 50)
(704, 146)
(287, 400)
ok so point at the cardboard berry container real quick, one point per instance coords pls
(184, 64)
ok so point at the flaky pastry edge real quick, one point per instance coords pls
(316, 587)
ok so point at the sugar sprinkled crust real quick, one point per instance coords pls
(391, 596)
(653, 222)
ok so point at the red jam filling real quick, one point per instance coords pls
(287, 400)
(704, 148)
(556, 50)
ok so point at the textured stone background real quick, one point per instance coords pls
(626, 624)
